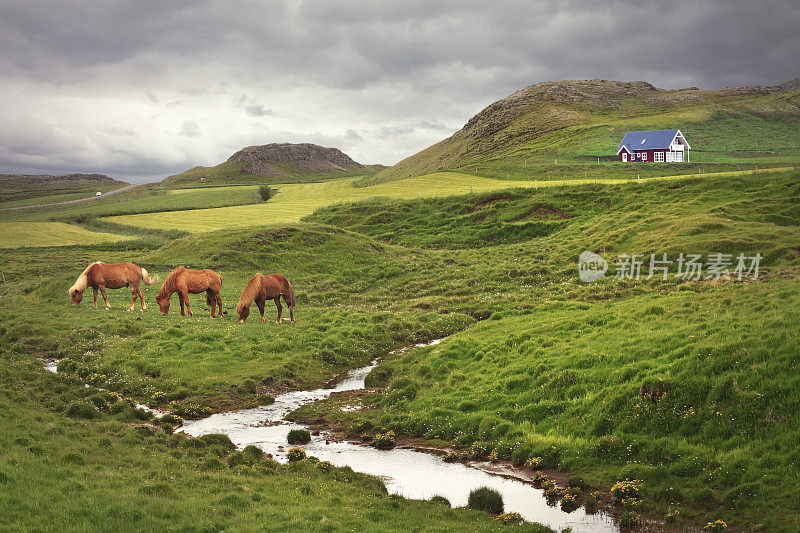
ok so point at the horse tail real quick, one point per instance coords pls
(147, 279)
(290, 303)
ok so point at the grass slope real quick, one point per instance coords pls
(535, 131)
(229, 173)
(17, 234)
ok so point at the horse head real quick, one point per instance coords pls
(244, 312)
(163, 305)
(75, 296)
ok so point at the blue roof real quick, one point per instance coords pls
(647, 140)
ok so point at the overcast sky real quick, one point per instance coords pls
(143, 89)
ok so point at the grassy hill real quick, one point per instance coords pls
(16, 188)
(274, 163)
(558, 128)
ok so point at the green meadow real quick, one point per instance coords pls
(688, 386)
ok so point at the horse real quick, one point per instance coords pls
(99, 275)
(262, 288)
(185, 282)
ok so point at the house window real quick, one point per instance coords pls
(624, 157)
(658, 157)
(644, 156)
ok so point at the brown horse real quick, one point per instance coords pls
(262, 288)
(186, 282)
(100, 276)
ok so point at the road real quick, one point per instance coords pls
(105, 195)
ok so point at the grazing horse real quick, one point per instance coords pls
(262, 288)
(100, 276)
(185, 282)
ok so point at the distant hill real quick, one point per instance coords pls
(274, 163)
(22, 186)
(582, 120)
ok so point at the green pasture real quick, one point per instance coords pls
(16, 234)
(294, 201)
(614, 379)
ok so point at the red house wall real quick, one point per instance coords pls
(650, 156)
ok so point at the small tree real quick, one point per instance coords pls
(266, 192)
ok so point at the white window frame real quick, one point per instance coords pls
(658, 157)
(624, 157)
(670, 157)
(644, 156)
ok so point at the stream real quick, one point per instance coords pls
(410, 473)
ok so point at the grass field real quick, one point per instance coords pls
(689, 386)
(294, 201)
(15, 234)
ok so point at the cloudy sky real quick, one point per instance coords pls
(143, 89)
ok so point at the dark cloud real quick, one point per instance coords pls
(378, 80)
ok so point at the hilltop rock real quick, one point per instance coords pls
(791, 85)
(308, 157)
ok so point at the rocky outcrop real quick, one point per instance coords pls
(271, 159)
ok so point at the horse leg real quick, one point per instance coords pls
(212, 302)
(180, 299)
(94, 290)
(141, 297)
(260, 303)
(291, 309)
(105, 296)
(278, 304)
(133, 298)
(219, 303)
(186, 299)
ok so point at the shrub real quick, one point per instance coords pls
(593, 499)
(249, 385)
(189, 410)
(254, 452)
(538, 478)
(81, 409)
(384, 440)
(509, 518)
(553, 493)
(296, 454)
(298, 436)
(451, 457)
(493, 456)
(218, 440)
(716, 525)
(157, 399)
(629, 519)
(629, 488)
(671, 516)
(170, 418)
(569, 501)
(211, 463)
(577, 482)
(169, 429)
(534, 463)
(478, 450)
(99, 402)
(486, 499)
(324, 466)
(265, 399)
(266, 192)
(442, 500)
(631, 503)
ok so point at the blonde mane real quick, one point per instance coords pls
(250, 291)
(83, 280)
